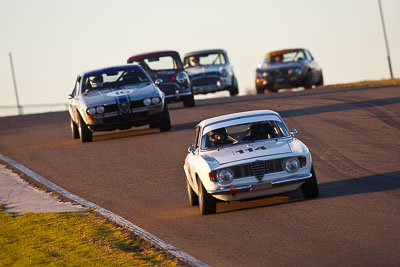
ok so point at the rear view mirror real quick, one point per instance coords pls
(293, 132)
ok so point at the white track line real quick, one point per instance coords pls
(108, 214)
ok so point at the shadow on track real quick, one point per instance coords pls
(355, 186)
(314, 110)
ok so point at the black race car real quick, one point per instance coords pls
(287, 69)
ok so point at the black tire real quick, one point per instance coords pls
(74, 129)
(234, 90)
(207, 203)
(321, 80)
(188, 101)
(310, 186)
(165, 121)
(308, 80)
(154, 125)
(259, 89)
(85, 134)
(193, 198)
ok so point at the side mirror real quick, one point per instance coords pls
(293, 132)
(70, 96)
(191, 149)
(158, 81)
(258, 65)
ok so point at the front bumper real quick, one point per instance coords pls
(279, 82)
(260, 189)
(209, 84)
(110, 121)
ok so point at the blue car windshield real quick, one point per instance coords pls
(114, 77)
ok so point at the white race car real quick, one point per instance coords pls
(246, 155)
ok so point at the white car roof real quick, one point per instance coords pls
(243, 117)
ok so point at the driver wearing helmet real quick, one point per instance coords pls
(194, 61)
(96, 81)
(218, 137)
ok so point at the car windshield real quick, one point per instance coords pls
(155, 63)
(284, 56)
(207, 59)
(244, 133)
(114, 78)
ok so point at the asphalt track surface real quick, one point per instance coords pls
(354, 137)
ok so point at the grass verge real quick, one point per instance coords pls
(373, 83)
(71, 239)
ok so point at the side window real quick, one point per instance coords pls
(196, 139)
(308, 55)
(77, 86)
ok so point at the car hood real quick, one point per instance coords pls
(109, 95)
(234, 153)
(203, 70)
(280, 66)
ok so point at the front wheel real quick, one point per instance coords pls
(85, 134)
(188, 101)
(308, 81)
(74, 129)
(193, 198)
(234, 89)
(207, 203)
(165, 121)
(310, 186)
(259, 89)
(321, 80)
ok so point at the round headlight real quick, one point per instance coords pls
(223, 71)
(181, 77)
(264, 74)
(100, 109)
(291, 165)
(225, 176)
(147, 101)
(298, 71)
(91, 111)
(155, 100)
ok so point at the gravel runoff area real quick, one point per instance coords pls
(19, 197)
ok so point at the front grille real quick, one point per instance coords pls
(258, 168)
(168, 88)
(204, 81)
(114, 107)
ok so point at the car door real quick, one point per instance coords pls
(74, 100)
(191, 160)
(314, 67)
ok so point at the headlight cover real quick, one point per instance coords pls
(100, 109)
(298, 71)
(147, 101)
(291, 165)
(223, 71)
(155, 100)
(91, 111)
(225, 176)
(181, 77)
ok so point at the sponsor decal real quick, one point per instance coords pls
(120, 92)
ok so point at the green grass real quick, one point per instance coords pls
(373, 83)
(70, 239)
